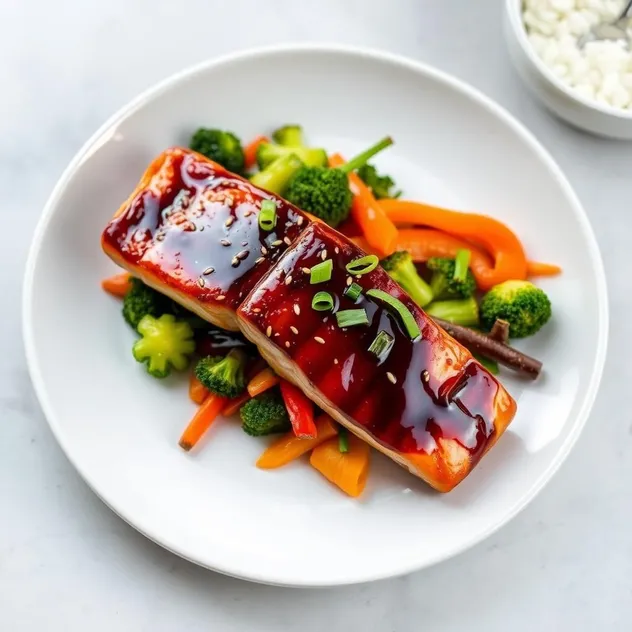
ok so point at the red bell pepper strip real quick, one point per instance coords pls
(300, 409)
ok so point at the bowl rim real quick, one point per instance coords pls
(514, 11)
(375, 55)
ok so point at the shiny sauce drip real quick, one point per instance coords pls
(423, 391)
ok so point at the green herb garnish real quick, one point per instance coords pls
(323, 302)
(343, 440)
(321, 272)
(408, 320)
(352, 317)
(267, 215)
(353, 292)
(382, 345)
(363, 265)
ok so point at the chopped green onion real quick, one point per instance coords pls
(343, 440)
(323, 302)
(461, 264)
(363, 265)
(267, 215)
(382, 345)
(353, 292)
(321, 272)
(408, 320)
(352, 317)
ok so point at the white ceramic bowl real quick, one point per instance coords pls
(120, 428)
(560, 99)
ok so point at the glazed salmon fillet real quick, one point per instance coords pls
(190, 230)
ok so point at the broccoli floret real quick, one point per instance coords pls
(275, 176)
(267, 153)
(380, 185)
(141, 300)
(523, 305)
(401, 268)
(325, 192)
(265, 414)
(220, 146)
(288, 135)
(460, 312)
(166, 343)
(223, 375)
(451, 278)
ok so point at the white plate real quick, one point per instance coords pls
(120, 428)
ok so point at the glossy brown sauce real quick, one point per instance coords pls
(195, 227)
(438, 390)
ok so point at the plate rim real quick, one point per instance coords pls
(371, 54)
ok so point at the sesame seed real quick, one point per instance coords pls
(225, 242)
(160, 236)
(208, 271)
(221, 297)
(358, 276)
(391, 377)
(287, 344)
(269, 331)
(256, 310)
(349, 280)
(299, 221)
(278, 242)
(319, 340)
(288, 279)
(323, 255)
(260, 259)
(337, 250)
(244, 242)
(229, 222)
(306, 271)
(242, 254)
(335, 360)
(200, 282)
(287, 240)
(248, 213)
(294, 330)
(277, 334)
(425, 376)
(234, 262)
(297, 309)
(264, 250)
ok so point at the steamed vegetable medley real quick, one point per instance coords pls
(467, 271)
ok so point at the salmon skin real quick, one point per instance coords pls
(190, 230)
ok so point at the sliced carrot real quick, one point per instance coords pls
(202, 420)
(197, 391)
(290, 447)
(262, 381)
(378, 229)
(250, 150)
(348, 470)
(497, 238)
(537, 268)
(235, 404)
(118, 285)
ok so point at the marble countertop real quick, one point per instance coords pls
(68, 563)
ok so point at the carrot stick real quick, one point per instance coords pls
(235, 404)
(262, 381)
(250, 150)
(117, 285)
(197, 391)
(348, 470)
(537, 268)
(289, 447)
(497, 238)
(202, 420)
(378, 229)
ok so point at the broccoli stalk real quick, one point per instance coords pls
(265, 414)
(289, 135)
(524, 306)
(401, 268)
(267, 153)
(166, 343)
(325, 192)
(452, 278)
(223, 376)
(222, 147)
(275, 177)
(460, 312)
(380, 185)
